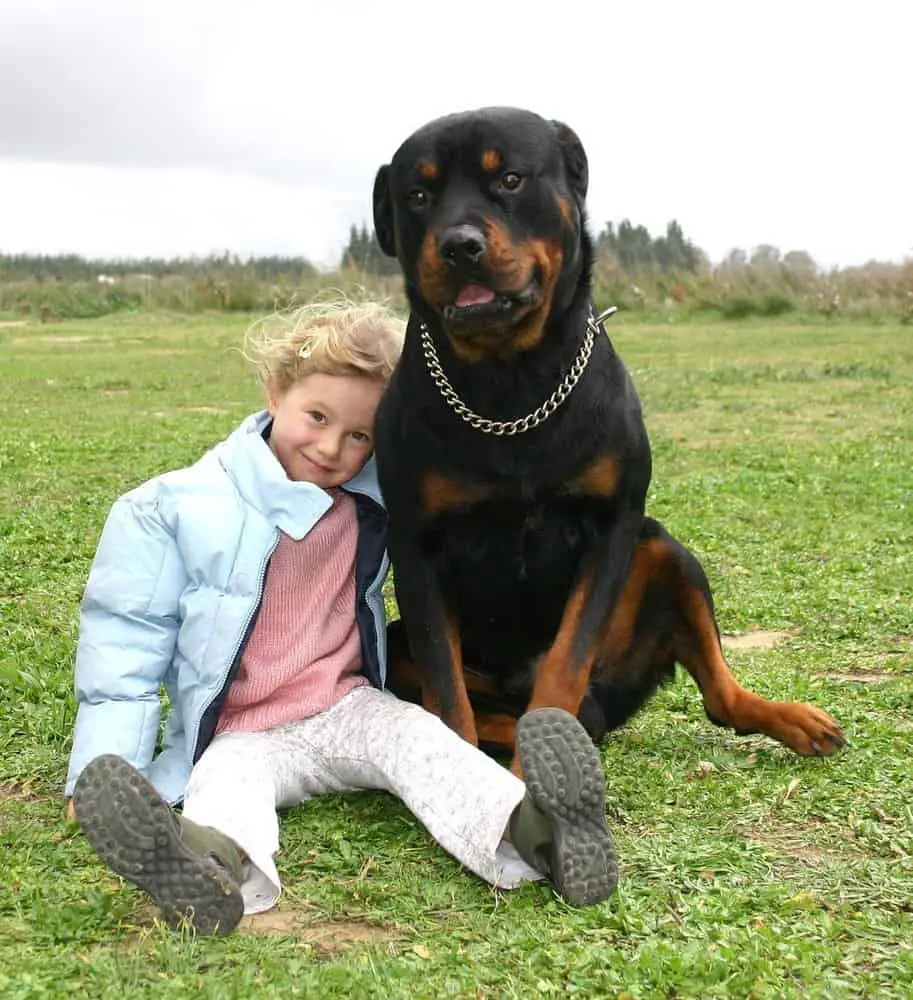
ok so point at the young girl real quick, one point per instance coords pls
(249, 587)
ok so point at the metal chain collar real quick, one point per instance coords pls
(506, 428)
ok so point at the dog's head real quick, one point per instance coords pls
(485, 211)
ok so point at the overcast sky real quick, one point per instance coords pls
(130, 128)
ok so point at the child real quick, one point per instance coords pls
(249, 586)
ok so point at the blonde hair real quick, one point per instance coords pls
(339, 337)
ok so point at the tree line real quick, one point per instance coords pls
(638, 271)
(625, 247)
(72, 267)
(631, 246)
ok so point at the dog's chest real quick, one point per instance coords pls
(508, 567)
(533, 544)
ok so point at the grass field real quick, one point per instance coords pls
(782, 455)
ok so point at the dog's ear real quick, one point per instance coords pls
(575, 161)
(383, 211)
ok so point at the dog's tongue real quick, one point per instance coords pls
(474, 295)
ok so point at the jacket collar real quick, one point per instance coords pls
(292, 507)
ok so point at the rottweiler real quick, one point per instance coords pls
(514, 459)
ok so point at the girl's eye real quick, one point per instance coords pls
(361, 437)
(511, 181)
(317, 416)
(418, 198)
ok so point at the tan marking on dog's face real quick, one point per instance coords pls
(510, 264)
(491, 160)
(427, 170)
(549, 258)
(434, 276)
(509, 268)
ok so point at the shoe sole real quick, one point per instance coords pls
(135, 833)
(564, 776)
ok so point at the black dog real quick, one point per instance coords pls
(515, 462)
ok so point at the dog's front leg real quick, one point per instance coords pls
(563, 675)
(433, 632)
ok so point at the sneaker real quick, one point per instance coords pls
(193, 873)
(560, 827)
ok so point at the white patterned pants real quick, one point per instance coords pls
(368, 740)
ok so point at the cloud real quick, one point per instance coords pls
(137, 85)
(122, 212)
(95, 90)
(263, 122)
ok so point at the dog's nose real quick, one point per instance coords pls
(462, 245)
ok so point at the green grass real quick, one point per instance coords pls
(782, 456)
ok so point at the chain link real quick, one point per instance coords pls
(507, 428)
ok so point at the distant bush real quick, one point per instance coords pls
(742, 286)
(79, 300)
(237, 291)
(738, 307)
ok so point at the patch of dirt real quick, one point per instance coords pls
(904, 648)
(202, 409)
(791, 845)
(16, 790)
(38, 339)
(15, 322)
(327, 936)
(759, 639)
(860, 676)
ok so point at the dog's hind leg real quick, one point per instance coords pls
(664, 614)
(803, 728)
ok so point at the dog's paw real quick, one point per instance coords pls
(807, 730)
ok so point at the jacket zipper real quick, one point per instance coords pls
(239, 645)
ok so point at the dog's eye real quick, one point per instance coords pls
(418, 198)
(511, 181)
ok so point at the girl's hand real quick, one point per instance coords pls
(71, 811)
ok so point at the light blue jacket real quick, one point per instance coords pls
(175, 587)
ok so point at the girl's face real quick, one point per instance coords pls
(323, 427)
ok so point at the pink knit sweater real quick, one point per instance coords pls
(303, 654)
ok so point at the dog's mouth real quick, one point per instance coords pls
(478, 307)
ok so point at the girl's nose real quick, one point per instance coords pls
(331, 445)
